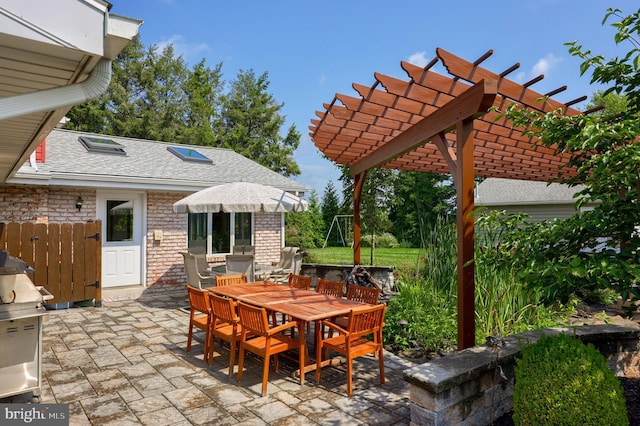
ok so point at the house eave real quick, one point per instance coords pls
(114, 182)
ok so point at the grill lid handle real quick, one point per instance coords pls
(45, 293)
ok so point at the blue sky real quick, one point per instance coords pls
(313, 50)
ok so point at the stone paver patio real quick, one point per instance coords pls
(125, 364)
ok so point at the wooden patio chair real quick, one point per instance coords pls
(352, 341)
(362, 294)
(194, 277)
(200, 316)
(226, 326)
(260, 339)
(222, 280)
(302, 282)
(331, 288)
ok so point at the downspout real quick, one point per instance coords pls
(51, 99)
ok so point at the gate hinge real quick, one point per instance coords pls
(96, 284)
(95, 236)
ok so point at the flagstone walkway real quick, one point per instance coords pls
(125, 364)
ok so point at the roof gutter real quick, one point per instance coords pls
(51, 99)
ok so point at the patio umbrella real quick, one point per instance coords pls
(240, 197)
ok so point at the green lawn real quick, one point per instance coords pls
(397, 257)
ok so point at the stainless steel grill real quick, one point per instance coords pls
(21, 318)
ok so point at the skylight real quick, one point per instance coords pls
(103, 146)
(189, 154)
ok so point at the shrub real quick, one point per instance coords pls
(559, 380)
(420, 317)
(385, 240)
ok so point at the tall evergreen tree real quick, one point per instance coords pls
(162, 108)
(126, 91)
(154, 95)
(419, 198)
(330, 208)
(203, 88)
(304, 229)
(251, 124)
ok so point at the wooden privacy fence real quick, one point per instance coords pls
(67, 257)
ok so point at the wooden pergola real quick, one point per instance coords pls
(443, 124)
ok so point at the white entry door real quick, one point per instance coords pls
(121, 215)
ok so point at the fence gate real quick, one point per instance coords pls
(66, 257)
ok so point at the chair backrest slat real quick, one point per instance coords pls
(300, 281)
(223, 308)
(366, 321)
(253, 319)
(332, 288)
(363, 294)
(222, 280)
(198, 300)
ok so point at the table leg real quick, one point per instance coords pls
(302, 325)
(306, 365)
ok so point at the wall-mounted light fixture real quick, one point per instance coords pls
(79, 203)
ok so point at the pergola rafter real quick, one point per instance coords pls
(443, 124)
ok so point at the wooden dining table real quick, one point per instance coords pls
(303, 306)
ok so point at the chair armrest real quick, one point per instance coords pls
(334, 326)
(282, 327)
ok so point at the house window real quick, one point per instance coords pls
(189, 154)
(103, 146)
(218, 232)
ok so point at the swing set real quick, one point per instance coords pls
(347, 224)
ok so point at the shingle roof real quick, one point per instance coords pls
(497, 191)
(147, 165)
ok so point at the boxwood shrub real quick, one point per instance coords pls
(561, 381)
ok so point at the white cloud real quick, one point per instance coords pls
(545, 65)
(182, 48)
(520, 77)
(419, 59)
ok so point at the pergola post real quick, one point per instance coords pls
(357, 202)
(465, 185)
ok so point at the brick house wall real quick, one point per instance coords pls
(267, 237)
(164, 262)
(24, 204)
(43, 204)
(62, 205)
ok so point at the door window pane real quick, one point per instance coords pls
(119, 220)
(242, 232)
